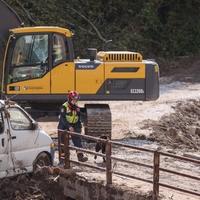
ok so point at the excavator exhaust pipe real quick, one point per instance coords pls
(92, 52)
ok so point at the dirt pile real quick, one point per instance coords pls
(26, 187)
(185, 68)
(179, 130)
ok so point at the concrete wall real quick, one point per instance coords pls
(79, 188)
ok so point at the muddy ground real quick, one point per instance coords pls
(29, 187)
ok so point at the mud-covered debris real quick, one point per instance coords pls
(41, 186)
(180, 129)
(46, 171)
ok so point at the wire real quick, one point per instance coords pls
(93, 26)
(27, 13)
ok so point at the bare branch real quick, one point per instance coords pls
(93, 26)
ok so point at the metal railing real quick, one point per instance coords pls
(64, 154)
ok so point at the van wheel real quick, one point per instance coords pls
(42, 160)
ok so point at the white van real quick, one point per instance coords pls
(23, 145)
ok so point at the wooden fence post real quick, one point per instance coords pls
(108, 163)
(59, 145)
(156, 175)
(66, 150)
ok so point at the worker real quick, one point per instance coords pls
(70, 120)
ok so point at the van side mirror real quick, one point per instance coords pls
(34, 125)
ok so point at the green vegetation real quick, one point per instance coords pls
(157, 28)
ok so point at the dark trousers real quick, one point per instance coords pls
(75, 139)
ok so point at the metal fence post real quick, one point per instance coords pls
(156, 175)
(108, 163)
(66, 150)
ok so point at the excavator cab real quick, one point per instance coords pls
(31, 59)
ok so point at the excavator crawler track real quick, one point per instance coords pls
(98, 120)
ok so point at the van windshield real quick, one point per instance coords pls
(18, 119)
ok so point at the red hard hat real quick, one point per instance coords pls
(73, 95)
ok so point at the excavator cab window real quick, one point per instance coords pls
(60, 49)
(30, 58)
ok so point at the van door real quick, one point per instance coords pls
(23, 139)
(5, 162)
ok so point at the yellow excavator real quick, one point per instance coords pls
(39, 69)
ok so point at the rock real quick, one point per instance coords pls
(141, 137)
(172, 132)
(171, 151)
(198, 123)
(191, 130)
(151, 137)
(159, 149)
(197, 131)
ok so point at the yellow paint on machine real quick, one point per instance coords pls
(63, 78)
(40, 29)
(34, 86)
(109, 66)
(88, 81)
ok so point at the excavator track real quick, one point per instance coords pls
(98, 120)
